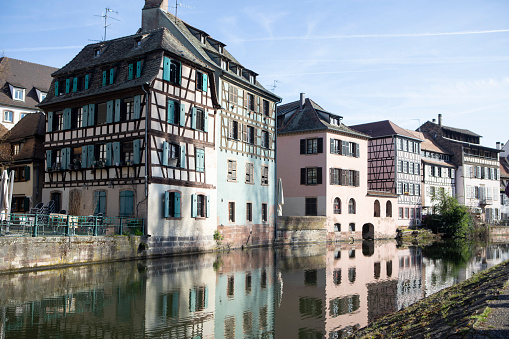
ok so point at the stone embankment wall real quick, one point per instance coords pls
(294, 230)
(41, 252)
(499, 233)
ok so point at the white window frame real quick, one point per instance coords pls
(16, 91)
(7, 120)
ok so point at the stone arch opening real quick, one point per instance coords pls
(368, 231)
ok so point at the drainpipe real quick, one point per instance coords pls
(275, 172)
(146, 138)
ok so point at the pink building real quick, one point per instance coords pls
(323, 165)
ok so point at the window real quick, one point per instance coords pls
(99, 202)
(264, 212)
(200, 206)
(265, 175)
(22, 115)
(351, 228)
(388, 209)
(43, 96)
(399, 144)
(21, 173)
(76, 118)
(265, 108)
(265, 139)
(337, 206)
(311, 206)
(335, 176)
(101, 113)
(201, 81)
(200, 119)
(335, 121)
(417, 169)
(400, 166)
(312, 146)
(406, 212)
(19, 94)
(15, 148)
(8, 116)
(20, 204)
(250, 102)
(405, 167)
(401, 212)
(198, 298)
(58, 121)
(335, 146)
(75, 158)
(233, 129)
(249, 173)
(351, 206)
(249, 211)
(377, 209)
(232, 170)
(351, 274)
(231, 211)
(311, 176)
(127, 153)
(127, 109)
(200, 159)
(249, 134)
(399, 188)
(354, 150)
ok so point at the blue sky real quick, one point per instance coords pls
(367, 60)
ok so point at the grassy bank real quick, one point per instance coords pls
(449, 313)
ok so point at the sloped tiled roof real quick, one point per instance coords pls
(383, 128)
(25, 75)
(117, 51)
(308, 119)
(504, 170)
(427, 142)
(460, 130)
(30, 131)
(3, 130)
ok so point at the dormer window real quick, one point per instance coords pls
(97, 52)
(15, 149)
(43, 96)
(251, 78)
(221, 49)
(137, 42)
(224, 64)
(335, 121)
(19, 94)
(202, 39)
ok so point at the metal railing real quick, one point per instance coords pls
(34, 225)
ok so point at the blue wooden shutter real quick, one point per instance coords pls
(165, 153)
(75, 84)
(193, 117)
(91, 155)
(179, 76)
(166, 207)
(194, 205)
(112, 75)
(49, 127)
(27, 172)
(56, 88)
(87, 80)
(137, 106)
(109, 111)
(126, 203)
(84, 156)
(171, 112)
(137, 151)
(166, 68)
(84, 119)
(118, 103)
(207, 206)
(67, 85)
(109, 155)
(206, 121)
(105, 76)
(130, 72)
(91, 115)
(204, 82)
(176, 208)
(49, 159)
(116, 153)
(65, 164)
(182, 156)
(138, 69)
(182, 114)
(67, 118)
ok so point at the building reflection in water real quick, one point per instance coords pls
(301, 292)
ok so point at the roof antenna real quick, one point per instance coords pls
(273, 87)
(105, 16)
(177, 4)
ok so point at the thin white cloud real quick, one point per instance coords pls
(363, 36)
(320, 73)
(38, 49)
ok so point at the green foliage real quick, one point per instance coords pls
(449, 217)
(218, 237)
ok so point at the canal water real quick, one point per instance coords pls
(294, 292)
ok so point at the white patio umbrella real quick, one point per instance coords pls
(280, 197)
(4, 196)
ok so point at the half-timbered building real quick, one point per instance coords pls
(394, 165)
(130, 132)
(504, 181)
(245, 137)
(477, 168)
(323, 166)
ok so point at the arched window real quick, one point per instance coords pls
(337, 227)
(388, 209)
(351, 206)
(351, 227)
(337, 206)
(377, 209)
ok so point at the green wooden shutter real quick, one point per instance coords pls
(112, 75)
(137, 151)
(176, 208)
(138, 69)
(116, 153)
(67, 118)
(109, 111)
(207, 207)
(27, 172)
(182, 156)
(87, 80)
(182, 114)
(166, 68)
(91, 155)
(118, 103)
(84, 119)
(165, 153)
(137, 106)
(193, 117)
(67, 85)
(84, 156)
(206, 121)
(91, 115)
(126, 203)
(109, 155)
(105, 76)
(205, 82)
(166, 207)
(171, 111)
(26, 204)
(49, 127)
(66, 158)
(130, 72)
(75, 84)
(192, 300)
(194, 205)
(49, 159)
(179, 76)
(56, 88)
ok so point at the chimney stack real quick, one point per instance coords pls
(302, 100)
(162, 4)
(150, 14)
(434, 121)
(439, 119)
(498, 145)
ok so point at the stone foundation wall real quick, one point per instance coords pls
(236, 236)
(159, 246)
(499, 230)
(43, 252)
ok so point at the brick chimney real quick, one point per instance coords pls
(499, 145)
(440, 120)
(150, 14)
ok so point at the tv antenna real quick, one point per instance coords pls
(105, 16)
(179, 4)
(273, 87)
